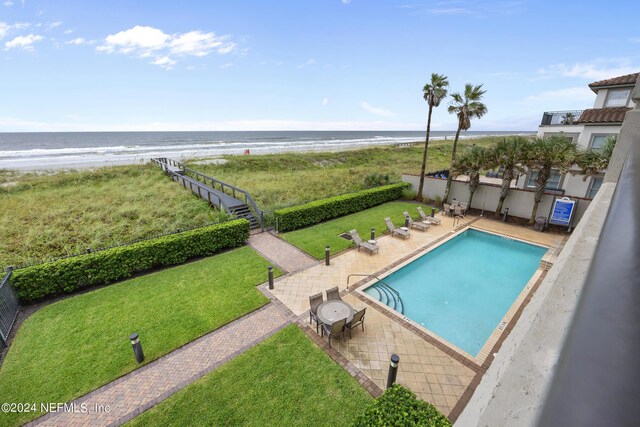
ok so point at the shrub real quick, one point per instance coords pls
(408, 194)
(376, 180)
(68, 275)
(399, 407)
(321, 210)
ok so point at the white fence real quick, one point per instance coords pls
(519, 202)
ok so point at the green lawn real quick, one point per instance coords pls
(284, 381)
(313, 239)
(76, 345)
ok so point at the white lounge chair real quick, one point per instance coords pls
(422, 226)
(396, 231)
(360, 244)
(428, 218)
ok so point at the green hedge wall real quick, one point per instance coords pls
(321, 210)
(100, 268)
(399, 407)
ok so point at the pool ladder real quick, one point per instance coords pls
(386, 294)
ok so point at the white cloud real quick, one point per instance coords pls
(325, 101)
(578, 94)
(54, 24)
(376, 110)
(6, 28)
(69, 31)
(227, 65)
(308, 63)
(23, 42)
(79, 41)
(8, 3)
(345, 1)
(147, 42)
(598, 69)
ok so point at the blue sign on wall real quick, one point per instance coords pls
(562, 211)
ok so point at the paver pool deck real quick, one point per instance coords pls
(433, 371)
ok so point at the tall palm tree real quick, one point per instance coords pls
(594, 162)
(466, 106)
(511, 155)
(433, 92)
(470, 163)
(554, 152)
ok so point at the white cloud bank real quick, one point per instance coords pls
(165, 49)
(598, 69)
(23, 42)
(376, 110)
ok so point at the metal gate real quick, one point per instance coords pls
(9, 306)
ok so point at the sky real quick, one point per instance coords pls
(302, 65)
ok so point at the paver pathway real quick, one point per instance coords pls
(281, 253)
(138, 391)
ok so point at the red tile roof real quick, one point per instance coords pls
(627, 80)
(603, 115)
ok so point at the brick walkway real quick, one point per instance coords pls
(138, 391)
(283, 254)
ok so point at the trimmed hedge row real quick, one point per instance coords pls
(321, 210)
(399, 407)
(100, 268)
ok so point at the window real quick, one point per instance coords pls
(598, 141)
(552, 184)
(596, 183)
(617, 97)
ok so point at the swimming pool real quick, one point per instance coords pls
(462, 289)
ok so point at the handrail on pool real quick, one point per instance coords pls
(387, 287)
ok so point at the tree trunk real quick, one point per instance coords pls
(474, 181)
(541, 183)
(504, 190)
(424, 156)
(445, 199)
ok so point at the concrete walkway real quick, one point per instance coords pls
(283, 254)
(139, 390)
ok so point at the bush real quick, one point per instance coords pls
(408, 194)
(376, 180)
(68, 275)
(321, 210)
(399, 407)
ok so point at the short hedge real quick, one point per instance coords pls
(399, 407)
(295, 217)
(68, 275)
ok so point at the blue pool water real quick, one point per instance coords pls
(462, 289)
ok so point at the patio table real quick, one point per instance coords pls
(334, 310)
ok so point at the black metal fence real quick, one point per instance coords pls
(9, 306)
(551, 118)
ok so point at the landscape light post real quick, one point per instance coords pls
(393, 370)
(373, 234)
(137, 347)
(270, 272)
(327, 255)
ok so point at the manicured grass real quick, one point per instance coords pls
(287, 179)
(76, 345)
(284, 381)
(56, 215)
(313, 239)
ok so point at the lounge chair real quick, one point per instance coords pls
(335, 329)
(396, 231)
(358, 319)
(428, 218)
(422, 226)
(360, 244)
(314, 302)
(333, 294)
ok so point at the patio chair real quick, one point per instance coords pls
(371, 247)
(447, 208)
(458, 211)
(333, 294)
(422, 226)
(314, 302)
(335, 329)
(358, 319)
(396, 231)
(428, 218)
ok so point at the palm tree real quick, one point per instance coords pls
(545, 154)
(433, 92)
(466, 106)
(594, 162)
(470, 163)
(510, 154)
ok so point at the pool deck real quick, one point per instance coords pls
(432, 368)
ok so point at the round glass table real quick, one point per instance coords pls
(334, 310)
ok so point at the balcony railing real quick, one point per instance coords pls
(551, 118)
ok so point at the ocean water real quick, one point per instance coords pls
(57, 150)
(462, 289)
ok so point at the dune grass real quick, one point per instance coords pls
(76, 345)
(313, 239)
(287, 179)
(47, 216)
(284, 381)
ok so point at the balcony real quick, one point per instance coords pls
(551, 118)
